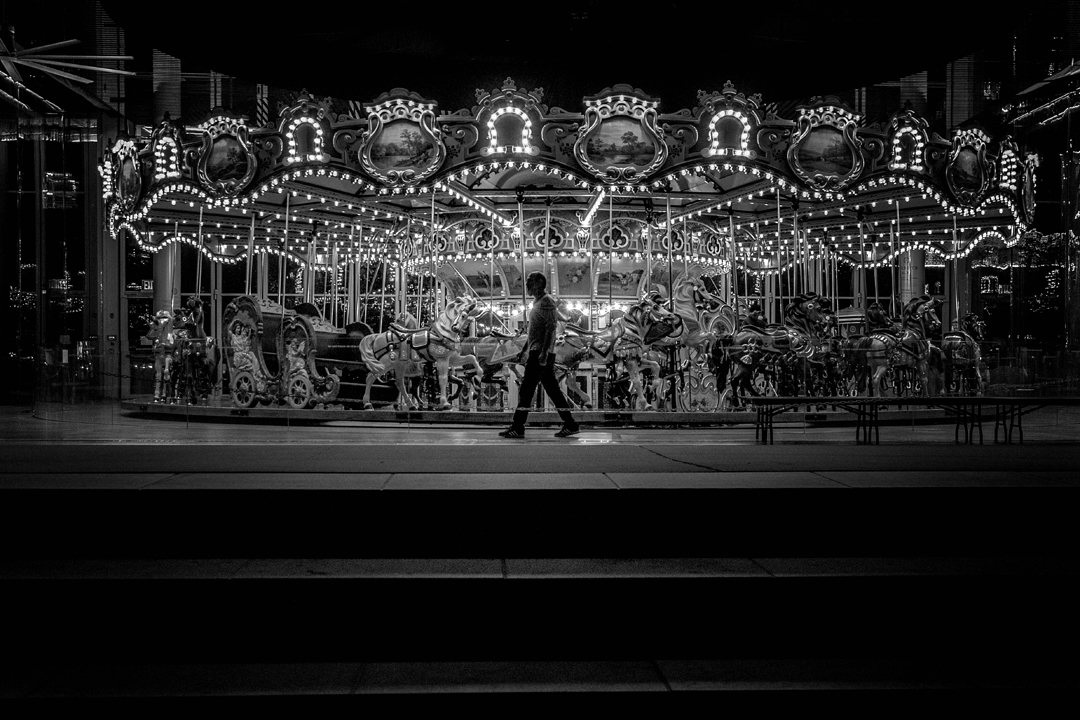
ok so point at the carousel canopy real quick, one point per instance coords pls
(727, 181)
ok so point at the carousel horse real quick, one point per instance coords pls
(827, 360)
(786, 348)
(197, 354)
(704, 316)
(908, 350)
(402, 348)
(705, 320)
(498, 353)
(962, 357)
(163, 336)
(624, 340)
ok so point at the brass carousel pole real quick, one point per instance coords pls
(521, 232)
(893, 299)
(285, 252)
(671, 303)
(610, 254)
(547, 246)
(873, 254)
(593, 319)
(896, 290)
(956, 275)
(756, 242)
(687, 247)
(862, 269)
(434, 264)
(780, 270)
(250, 255)
(333, 283)
(368, 279)
(199, 256)
(352, 278)
(382, 296)
(734, 265)
(309, 273)
(798, 282)
(835, 258)
(647, 244)
(670, 260)
(491, 271)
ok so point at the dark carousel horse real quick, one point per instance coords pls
(906, 352)
(785, 350)
(962, 358)
(197, 356)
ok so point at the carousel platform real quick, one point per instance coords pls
(221, 408)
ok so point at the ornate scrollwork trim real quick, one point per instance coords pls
(620, 101)
(216, 128)
(839, 119)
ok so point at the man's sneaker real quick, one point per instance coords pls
(512, 433)
(567, 431)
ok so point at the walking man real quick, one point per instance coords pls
(540, 362)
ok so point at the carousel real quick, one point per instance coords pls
(375, 256)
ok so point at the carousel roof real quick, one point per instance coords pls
(726, 180)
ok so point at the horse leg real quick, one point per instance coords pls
(924, 376)
(367, 390)
(442, 367)
(473, 383)
(404, 400)
(633, 371)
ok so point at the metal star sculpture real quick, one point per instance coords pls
(11, 59)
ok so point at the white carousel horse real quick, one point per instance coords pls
(625, 340)
(706, 319)
(403, 348)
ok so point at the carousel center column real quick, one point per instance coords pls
(167, 278)
(912, 274)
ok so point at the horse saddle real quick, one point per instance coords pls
(571, 328)
(403, 332)
(504, 334)
(419, 339)
(776, 338)
(886, 336)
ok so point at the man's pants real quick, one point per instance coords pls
(537, 374)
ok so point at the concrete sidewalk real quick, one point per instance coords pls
(949, 577)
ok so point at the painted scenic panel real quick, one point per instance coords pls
(620, 141)
(402, 146)
(227, 160)
(129, 179)
(574, 277)
(512, 273)
(453, 283)
(479, 277)
(964, 171)
(621, 282)
(825, 151)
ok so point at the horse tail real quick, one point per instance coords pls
(367, 354)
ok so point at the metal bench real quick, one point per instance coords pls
(968, 413)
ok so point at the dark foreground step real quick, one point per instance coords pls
(726, 684)
(1010, 618)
